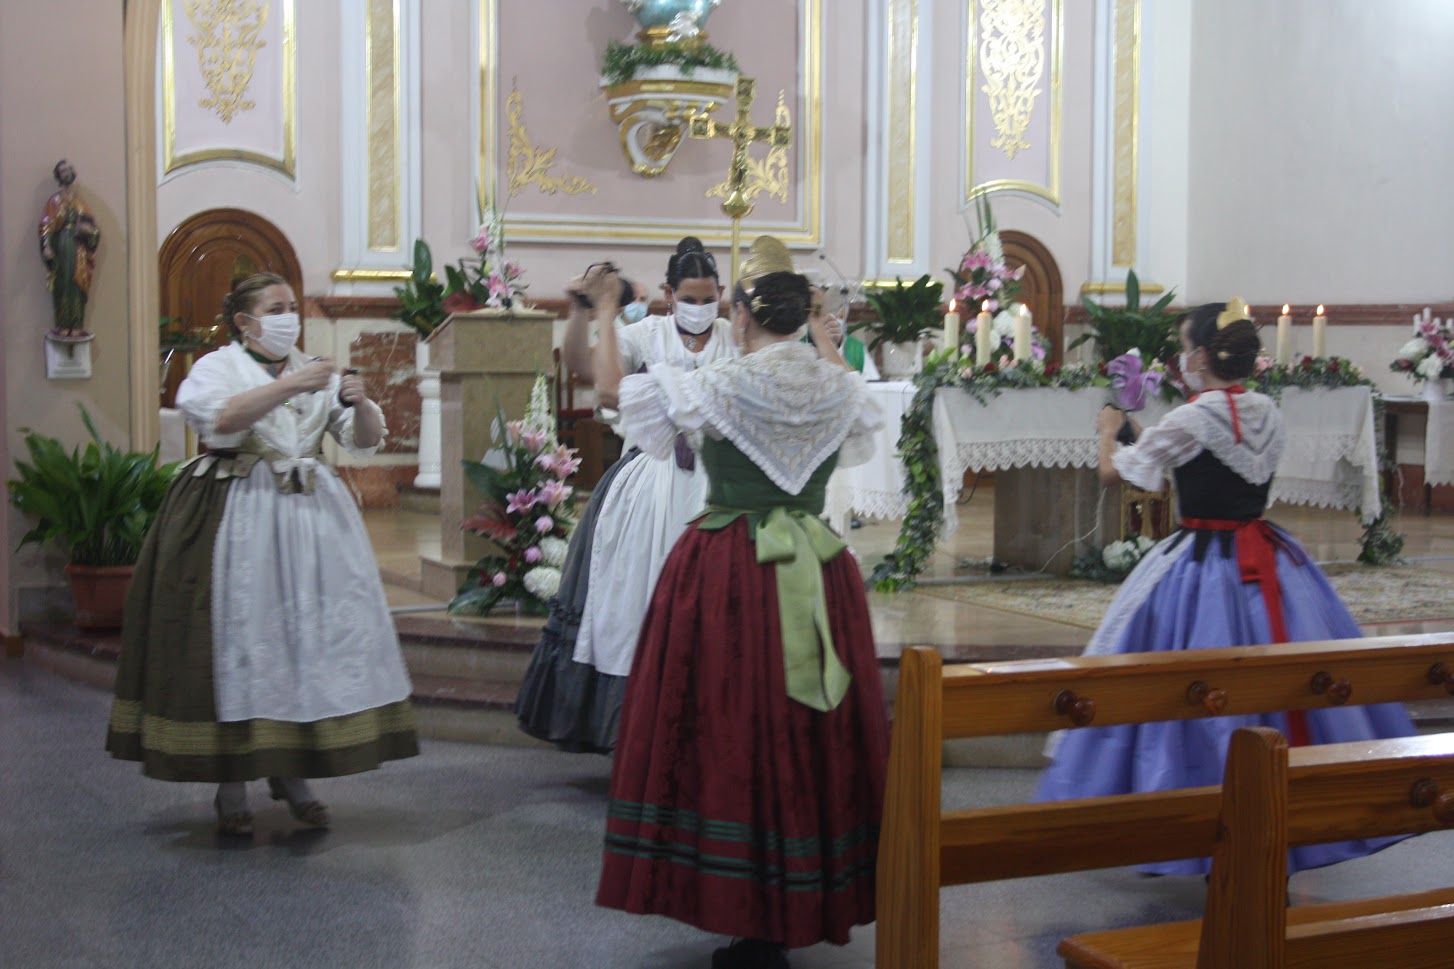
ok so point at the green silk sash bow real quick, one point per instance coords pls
(798, 543)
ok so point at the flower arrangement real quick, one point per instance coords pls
(1114, 562)
(1002, 335)
(624, 62)
(1308, 373)
(486, 280)
(526, 513)
(1429, 355)
(1133, 381)
(983, 281)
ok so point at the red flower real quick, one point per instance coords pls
(1101, 368)
(1051, 369)
(460, 302)
(1333, 365)
(490, 523)
(990, 367)
(1307, 363)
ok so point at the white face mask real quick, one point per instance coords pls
(634, 312)
(1194, 380)
(696, 318)
(279, 333)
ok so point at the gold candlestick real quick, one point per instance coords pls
(742, 133)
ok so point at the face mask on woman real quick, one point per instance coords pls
(1194, 380)
(634, 312)
(696, 318)
(279, 333)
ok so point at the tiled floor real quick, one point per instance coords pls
(487, 857)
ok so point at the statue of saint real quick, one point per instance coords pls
(68, 240)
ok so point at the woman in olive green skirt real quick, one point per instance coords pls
(257, 641)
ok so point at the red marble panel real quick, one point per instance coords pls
(386, 362)
(378, 485)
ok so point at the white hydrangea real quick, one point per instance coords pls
(542, 582)
(1430, 367)
(554, 550)
(1413, 350)
(1122, 556)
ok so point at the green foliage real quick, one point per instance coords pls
(1308, 373)
(1380, 544)
(423, 295)
(905, 313)
(1120, 329)
(624, 61)
(98, 502)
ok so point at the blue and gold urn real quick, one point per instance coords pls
(671, 21)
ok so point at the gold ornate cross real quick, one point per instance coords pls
(742, 133)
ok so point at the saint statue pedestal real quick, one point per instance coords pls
(68, 355)
(487, 361)
(1045, 517)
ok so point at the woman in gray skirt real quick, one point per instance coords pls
(257, 641)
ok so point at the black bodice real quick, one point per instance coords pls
(1207, 488)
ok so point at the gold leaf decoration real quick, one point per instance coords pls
(529, 165)
(1012, 58)
(227, 40)
(770, 175)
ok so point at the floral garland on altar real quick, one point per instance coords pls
(1430, 354)
(924, 520)
(527, 513)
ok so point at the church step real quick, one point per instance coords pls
(436, 644)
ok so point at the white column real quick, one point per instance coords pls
(429, 444)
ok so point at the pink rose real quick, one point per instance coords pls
(533, 554)
(499, 580)
(544, 524)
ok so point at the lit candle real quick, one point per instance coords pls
(1320, 333)
(951, 327)
(1284, 336)
(983, 334)
(1022, 334)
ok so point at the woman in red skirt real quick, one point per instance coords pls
(749, 774)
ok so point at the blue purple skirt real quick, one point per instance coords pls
(1173, 601)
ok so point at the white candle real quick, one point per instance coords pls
(1320, 333)
(983, 334)
(1022, 334)
(1284, 336)
(951, 327)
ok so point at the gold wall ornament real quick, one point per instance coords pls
(227, 39)
(651, 112)
(742, 133)
(382, 122)
(901, 100)
(770, 175)
(1127, 122)
(1012, 59)
(529, 165)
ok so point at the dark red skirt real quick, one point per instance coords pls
(734, 808)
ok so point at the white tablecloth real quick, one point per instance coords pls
(1331, 458)
(1439, 443)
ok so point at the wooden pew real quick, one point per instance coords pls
(922, 848)
(1247, 924)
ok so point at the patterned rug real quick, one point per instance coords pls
(1404, 593)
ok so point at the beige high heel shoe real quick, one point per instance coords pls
(235, 825)
(312, 813)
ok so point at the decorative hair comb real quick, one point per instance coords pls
(1236, 310)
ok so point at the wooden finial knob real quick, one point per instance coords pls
(1214, 701)
(1441, 675)
(1444, 809)
(1423, 793)
(1080, 709)
(1338, 692)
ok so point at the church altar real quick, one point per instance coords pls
(1331, 459)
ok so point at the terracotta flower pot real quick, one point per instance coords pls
(100, 594)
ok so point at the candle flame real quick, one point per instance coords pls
(953, 304)
(984, 307)
(1286, 309)
(1024, 310)
(1320, 309)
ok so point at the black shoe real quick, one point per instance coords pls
(751, 954)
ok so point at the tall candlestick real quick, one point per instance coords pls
(1284, 336)
(1320, 334)
(951, 327)
(984, 335)
(1022, 334)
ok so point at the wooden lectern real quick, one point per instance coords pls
(487, 362)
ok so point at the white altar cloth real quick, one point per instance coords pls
(1331, 459)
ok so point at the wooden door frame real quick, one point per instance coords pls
(1042, 275)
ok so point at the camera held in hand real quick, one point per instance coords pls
(628, 289)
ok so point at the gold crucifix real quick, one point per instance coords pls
(743, 133)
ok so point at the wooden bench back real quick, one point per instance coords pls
(922, 848)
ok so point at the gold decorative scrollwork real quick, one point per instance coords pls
(770, 175)
(1012, 59)
(529, 165)
(227, 41)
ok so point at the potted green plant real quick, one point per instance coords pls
(98, 503)
(904, 314)
(1121, 329)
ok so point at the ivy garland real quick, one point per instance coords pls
(624, 61)
(919, 452)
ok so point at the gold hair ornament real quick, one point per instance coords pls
(767, 255)
(1236, 310)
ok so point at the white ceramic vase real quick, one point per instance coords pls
(1436, 390)
(901, 361)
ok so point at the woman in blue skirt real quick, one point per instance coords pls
(1228, 577)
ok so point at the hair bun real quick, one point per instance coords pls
(690, 244)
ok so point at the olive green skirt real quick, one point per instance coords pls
(164, 714)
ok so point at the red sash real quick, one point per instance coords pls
(1257, 545)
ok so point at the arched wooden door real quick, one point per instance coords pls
(1043, 290)
(197, 264)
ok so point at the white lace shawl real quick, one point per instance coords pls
(294, 431)
(1205, 424)
(782, 406)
